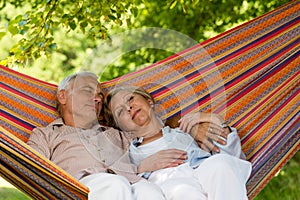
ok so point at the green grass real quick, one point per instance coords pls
(12, 194)
(284, 186)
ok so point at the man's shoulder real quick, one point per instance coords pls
(112, 131)
(56, 122)
(115, 133)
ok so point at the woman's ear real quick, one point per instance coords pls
(62, 97)
(151, 103)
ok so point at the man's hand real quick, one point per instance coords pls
(205, 133)
(162, 159)
(188, 121)
(205, 128)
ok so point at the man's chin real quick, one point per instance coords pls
(86, 124)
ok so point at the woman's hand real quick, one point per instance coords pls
(162, 159)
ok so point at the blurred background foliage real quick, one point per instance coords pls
(52, 38)
(49, 39)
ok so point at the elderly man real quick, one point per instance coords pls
(94, 154)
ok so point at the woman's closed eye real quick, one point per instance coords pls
(130, 99)
(120, 110)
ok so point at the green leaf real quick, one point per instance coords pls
(22, 23)
(4, 62)
(173, 4)
(2, 34)
(13, 29)
(72, 25)
(134, 11)
(23, 31)
(19, 17)
(53, 46)
(15, 49)
(112, 17)
(83, 24)
(65, 16)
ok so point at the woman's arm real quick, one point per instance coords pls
(162, 159)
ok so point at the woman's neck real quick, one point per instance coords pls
(152, 137)
(150, 133)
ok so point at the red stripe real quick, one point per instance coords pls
(27, 97)
(16, 121)
(244, 24)
(253, 45)
(260, 66)
(270, 117)
(269, 97)
(262, 154)
(26, 76)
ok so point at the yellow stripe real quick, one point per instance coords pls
(271, 123)
(253, 93)
(36, 164)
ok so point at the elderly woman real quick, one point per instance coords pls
(203, 176)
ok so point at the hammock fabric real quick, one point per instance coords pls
(249, 75)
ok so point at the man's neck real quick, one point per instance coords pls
(69, 121)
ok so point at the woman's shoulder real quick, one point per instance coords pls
(168, 130)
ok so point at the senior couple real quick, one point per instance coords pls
(109, 159)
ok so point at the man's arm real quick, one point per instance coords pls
(205, 133)
(203, 127)
(38, 141)
(173, 121)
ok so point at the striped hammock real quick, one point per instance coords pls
(250, 75)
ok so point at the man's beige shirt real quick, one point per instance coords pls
(84, 152)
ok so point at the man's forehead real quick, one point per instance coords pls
(85, 80)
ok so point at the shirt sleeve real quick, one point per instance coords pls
(38, 141)
(233, 145)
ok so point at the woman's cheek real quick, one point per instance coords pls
(126, 124)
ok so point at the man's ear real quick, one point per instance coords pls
(62, 97)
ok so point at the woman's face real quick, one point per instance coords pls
(131, 111)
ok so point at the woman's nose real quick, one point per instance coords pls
(98, 99)
(129, 108)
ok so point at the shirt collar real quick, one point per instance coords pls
(60, 122)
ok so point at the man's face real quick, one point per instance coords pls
(80, 103)
(99, 96)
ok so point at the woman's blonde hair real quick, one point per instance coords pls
(108, 115)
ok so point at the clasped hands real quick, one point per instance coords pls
(205, 128)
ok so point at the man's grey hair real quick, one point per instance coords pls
(66, 82)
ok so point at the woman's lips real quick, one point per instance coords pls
(135, 113)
